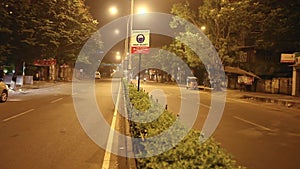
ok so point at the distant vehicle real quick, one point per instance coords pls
(97, 75)
(191, 82)
(3, 92)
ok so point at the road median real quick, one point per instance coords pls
(165, 142)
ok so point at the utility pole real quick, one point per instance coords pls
(139, 74)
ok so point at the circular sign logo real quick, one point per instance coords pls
(140, 38)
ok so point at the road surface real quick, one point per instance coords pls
(258, 135)
(39, 129)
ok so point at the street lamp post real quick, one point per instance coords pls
(130, 30)
(139, 73)
(141, 10)
(126, 52)
(127, 64)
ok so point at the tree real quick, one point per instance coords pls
(236, 27)
(275, 32)
(17, 36)
(223, 26)
(279, 28)
(68, 25)
(45, 29)
(5, 32)
(182, 51)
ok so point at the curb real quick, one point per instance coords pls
(282, 102)
(208, 89)
(40, 84)
(131, 162)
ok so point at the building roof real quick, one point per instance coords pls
(239, 71)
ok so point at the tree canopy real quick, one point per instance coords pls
(44, 29)
(236, 27)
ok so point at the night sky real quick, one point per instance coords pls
(100, 10)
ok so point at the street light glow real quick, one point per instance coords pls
(118, 56)
(113, 10)
(117, 31)
(142, 10)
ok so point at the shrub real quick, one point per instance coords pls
(189, 153)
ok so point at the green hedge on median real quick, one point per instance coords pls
(188, 154)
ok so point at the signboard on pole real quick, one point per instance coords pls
(44, 62)
(140, 41)
(287, 58)
(142, 50)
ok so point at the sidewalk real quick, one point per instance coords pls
(281, 99)
(40, 84)
(27, 88)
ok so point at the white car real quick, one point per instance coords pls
(3, 92)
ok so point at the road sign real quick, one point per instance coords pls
(140, 41)
(44, 62)
(287, 58)
(140, 38)
(142, 50)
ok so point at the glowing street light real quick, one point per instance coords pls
(117, 31)
(142, 10)
(113, 10)
(118, 56)
(138, 10)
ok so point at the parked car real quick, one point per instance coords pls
(191, 83)
(97, 75)
(3, 92)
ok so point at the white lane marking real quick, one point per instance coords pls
(183, 98)
(106, 160)
(254, 124)
(18, 115)
(293, 134)
(54, 101)
(14, 100)
(204, 105)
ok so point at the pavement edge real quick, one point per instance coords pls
(131, 162)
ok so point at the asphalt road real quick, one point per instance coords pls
(39, 129)
(258, 135)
